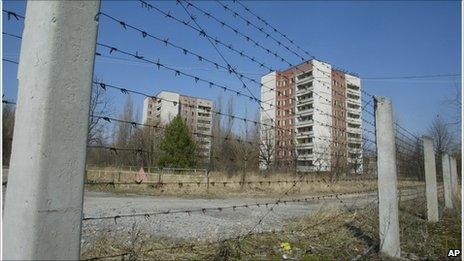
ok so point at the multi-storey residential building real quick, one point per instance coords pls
(311, 119)
(195, 111)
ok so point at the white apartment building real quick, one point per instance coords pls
(196, 112)
(311, 119)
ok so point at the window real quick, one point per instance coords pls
(305, 129)
(354, 145)
(305, 97)
(305, 118)
(353, 87)
(305, 107)
(353, 106)
(303, 163)
(304, 86)
(304, 75)
(354, 135)
(305, 152)
(353, 116)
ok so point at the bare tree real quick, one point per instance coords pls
(216, 141)
(147, 138)
(267, 148)
(125, 130)
(228, 148)
(456, 105)
(99, 106)
(442, 137)
(8, 114)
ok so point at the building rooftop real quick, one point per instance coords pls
(200, 98)
(333, 68)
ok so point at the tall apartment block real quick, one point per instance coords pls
(311, 119)
(195, 111)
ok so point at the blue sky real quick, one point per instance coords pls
(371, 38)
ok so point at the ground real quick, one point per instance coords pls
(332, 228)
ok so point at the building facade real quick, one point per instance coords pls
(311, 119)
(195, 111)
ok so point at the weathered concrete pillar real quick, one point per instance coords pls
(430, 180)
(387, 179)
(445, 162)
(455, 189)
(43, 208)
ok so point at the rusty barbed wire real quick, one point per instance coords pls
(221, 208)
(11, 14)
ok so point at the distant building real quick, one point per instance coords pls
(195, 111)
(311, 119)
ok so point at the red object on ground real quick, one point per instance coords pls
(141, 176)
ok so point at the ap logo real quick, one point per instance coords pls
(454, 253)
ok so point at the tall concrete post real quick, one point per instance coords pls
(447, 180)
(455, 191)
(43, 208)
(387, 180)
(430, 180)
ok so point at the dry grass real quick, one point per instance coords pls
(223, 185)
(322, 236)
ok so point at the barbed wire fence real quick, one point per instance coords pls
(409, 155)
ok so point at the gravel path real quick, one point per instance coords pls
(211, 225)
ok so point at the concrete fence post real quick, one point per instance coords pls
(455, 191)
(43, 205)
(447, 181)
(387, 179)
(430, 180)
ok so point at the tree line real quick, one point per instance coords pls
(174, 145)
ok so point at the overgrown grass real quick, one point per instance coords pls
(326, 235)
(223, 185)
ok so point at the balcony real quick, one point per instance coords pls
(353, 110)
(304, 77)
(354, 100)
(354, 121)
(305, 157)
(304, 140)
(353, 92)
(300, 136)
(353, 87)
(305, 101)
(302, 123)
(357, 130)
(354, 139)
(203, 115)
(204, 122)
(305, 113)
(355, 160)
(304, 146)
(304, 88)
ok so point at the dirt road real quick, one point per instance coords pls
(210, 224)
